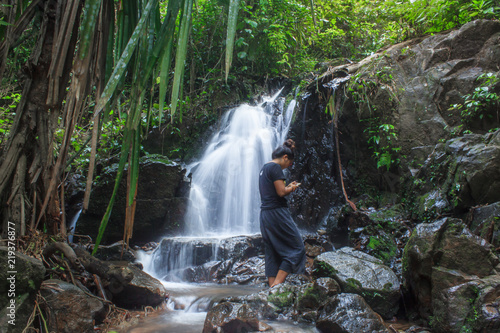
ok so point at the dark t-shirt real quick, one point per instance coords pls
(270, 173)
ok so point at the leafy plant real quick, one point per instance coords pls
(484, 98)
(382, 138)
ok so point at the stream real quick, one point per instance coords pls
(188, 305)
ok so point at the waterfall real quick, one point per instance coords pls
(224, 201)
(224, 198)
(72, 225)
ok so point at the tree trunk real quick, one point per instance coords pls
(27, 158)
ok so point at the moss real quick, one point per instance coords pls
(353, 285)
(156, 158)
(387, 215)
(281, 300)
(405, 258)
(382, 247)
(32, 285)
(324, 270)
(310, 296)
(388, 286)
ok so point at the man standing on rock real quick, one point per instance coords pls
(284, 248)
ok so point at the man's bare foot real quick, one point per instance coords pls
(280, 278)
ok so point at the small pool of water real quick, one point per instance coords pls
(188, 306)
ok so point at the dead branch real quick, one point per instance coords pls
(66, 250)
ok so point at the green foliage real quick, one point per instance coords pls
(323, 269)
(8, 107)
(483, 99)
(382, 140)
(282, 300)
(382, 247)
(430, 16)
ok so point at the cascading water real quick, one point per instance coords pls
(224, 197)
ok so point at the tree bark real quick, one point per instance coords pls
(27, 158)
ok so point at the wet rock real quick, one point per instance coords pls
(114, 252)
(381, 232)
(23, 289)
(362, 274)
(329, 286)
(259, 303)
(460, 174)
(313, 296)
(161, 202)
(471, 306)
(68, 309)
(349, 313)
(233, 317)
(314, 165)
(208, 259)
(485, 222)
(315, 244)
(442, 255)
(143, 290)
(246, 271)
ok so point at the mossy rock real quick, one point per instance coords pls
(362, 274)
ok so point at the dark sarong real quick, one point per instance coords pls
(283, 243)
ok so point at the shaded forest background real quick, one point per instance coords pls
(85, 82)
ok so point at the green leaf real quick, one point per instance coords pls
(121, 66)
(231, 33)
(180, 57)
(90, 13)
(253, 24)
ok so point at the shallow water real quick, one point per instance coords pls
(188, 306)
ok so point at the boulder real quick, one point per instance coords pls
(68, 309)
(446, 269)
(359, 273)
(381, 233)
(28, 276)
(245, 271)
(329, 286)
(233, 317)
(143, 290)
(349, 313)
(472, 306)
(162, 197)
(485, 223)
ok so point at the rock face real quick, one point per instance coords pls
(162, 196)
(68, 308)
(410, 86)
(29, 276)
(453, 276)
(314, 165)
(459, 174)
(362, 274)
